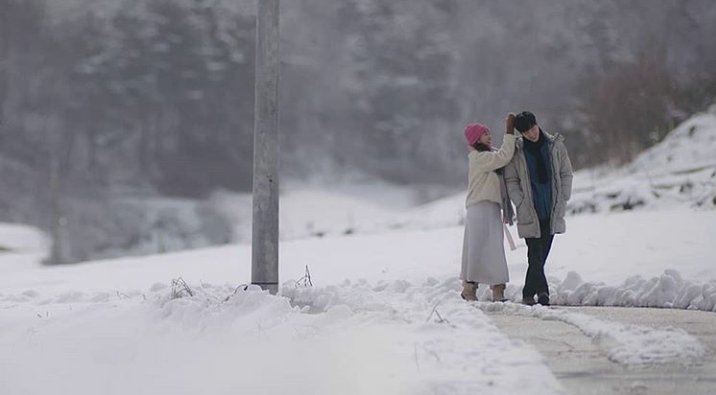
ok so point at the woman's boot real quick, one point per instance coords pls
(498, 293)
(469, 291)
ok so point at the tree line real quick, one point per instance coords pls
(106, 99)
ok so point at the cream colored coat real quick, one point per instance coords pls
(483, 182)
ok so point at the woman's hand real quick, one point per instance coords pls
(510, 123)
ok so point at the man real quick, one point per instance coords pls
(539, 182)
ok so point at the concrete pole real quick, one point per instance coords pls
(264, 264)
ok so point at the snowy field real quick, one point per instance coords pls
(382, 314)
(385, 305)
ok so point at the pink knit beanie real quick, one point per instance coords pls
(474, 131)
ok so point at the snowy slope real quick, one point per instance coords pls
(680, 171)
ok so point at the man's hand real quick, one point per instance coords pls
(510, 123)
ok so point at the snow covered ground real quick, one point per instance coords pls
(383, 313)
(385, 305)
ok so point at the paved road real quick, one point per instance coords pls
(583, 368)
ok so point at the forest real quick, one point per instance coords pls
(107, 106)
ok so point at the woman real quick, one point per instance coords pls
(483, 254)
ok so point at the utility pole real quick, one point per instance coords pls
(264, 259)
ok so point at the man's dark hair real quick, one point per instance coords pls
(524, 121)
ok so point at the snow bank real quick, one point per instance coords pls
(467, 353)
(393, 338)
(630, 345)
(666, 291)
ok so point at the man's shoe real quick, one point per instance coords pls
(529, 301)
(543, 299)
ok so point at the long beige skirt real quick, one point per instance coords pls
(483, 249)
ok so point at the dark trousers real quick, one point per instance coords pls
(537, 251)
